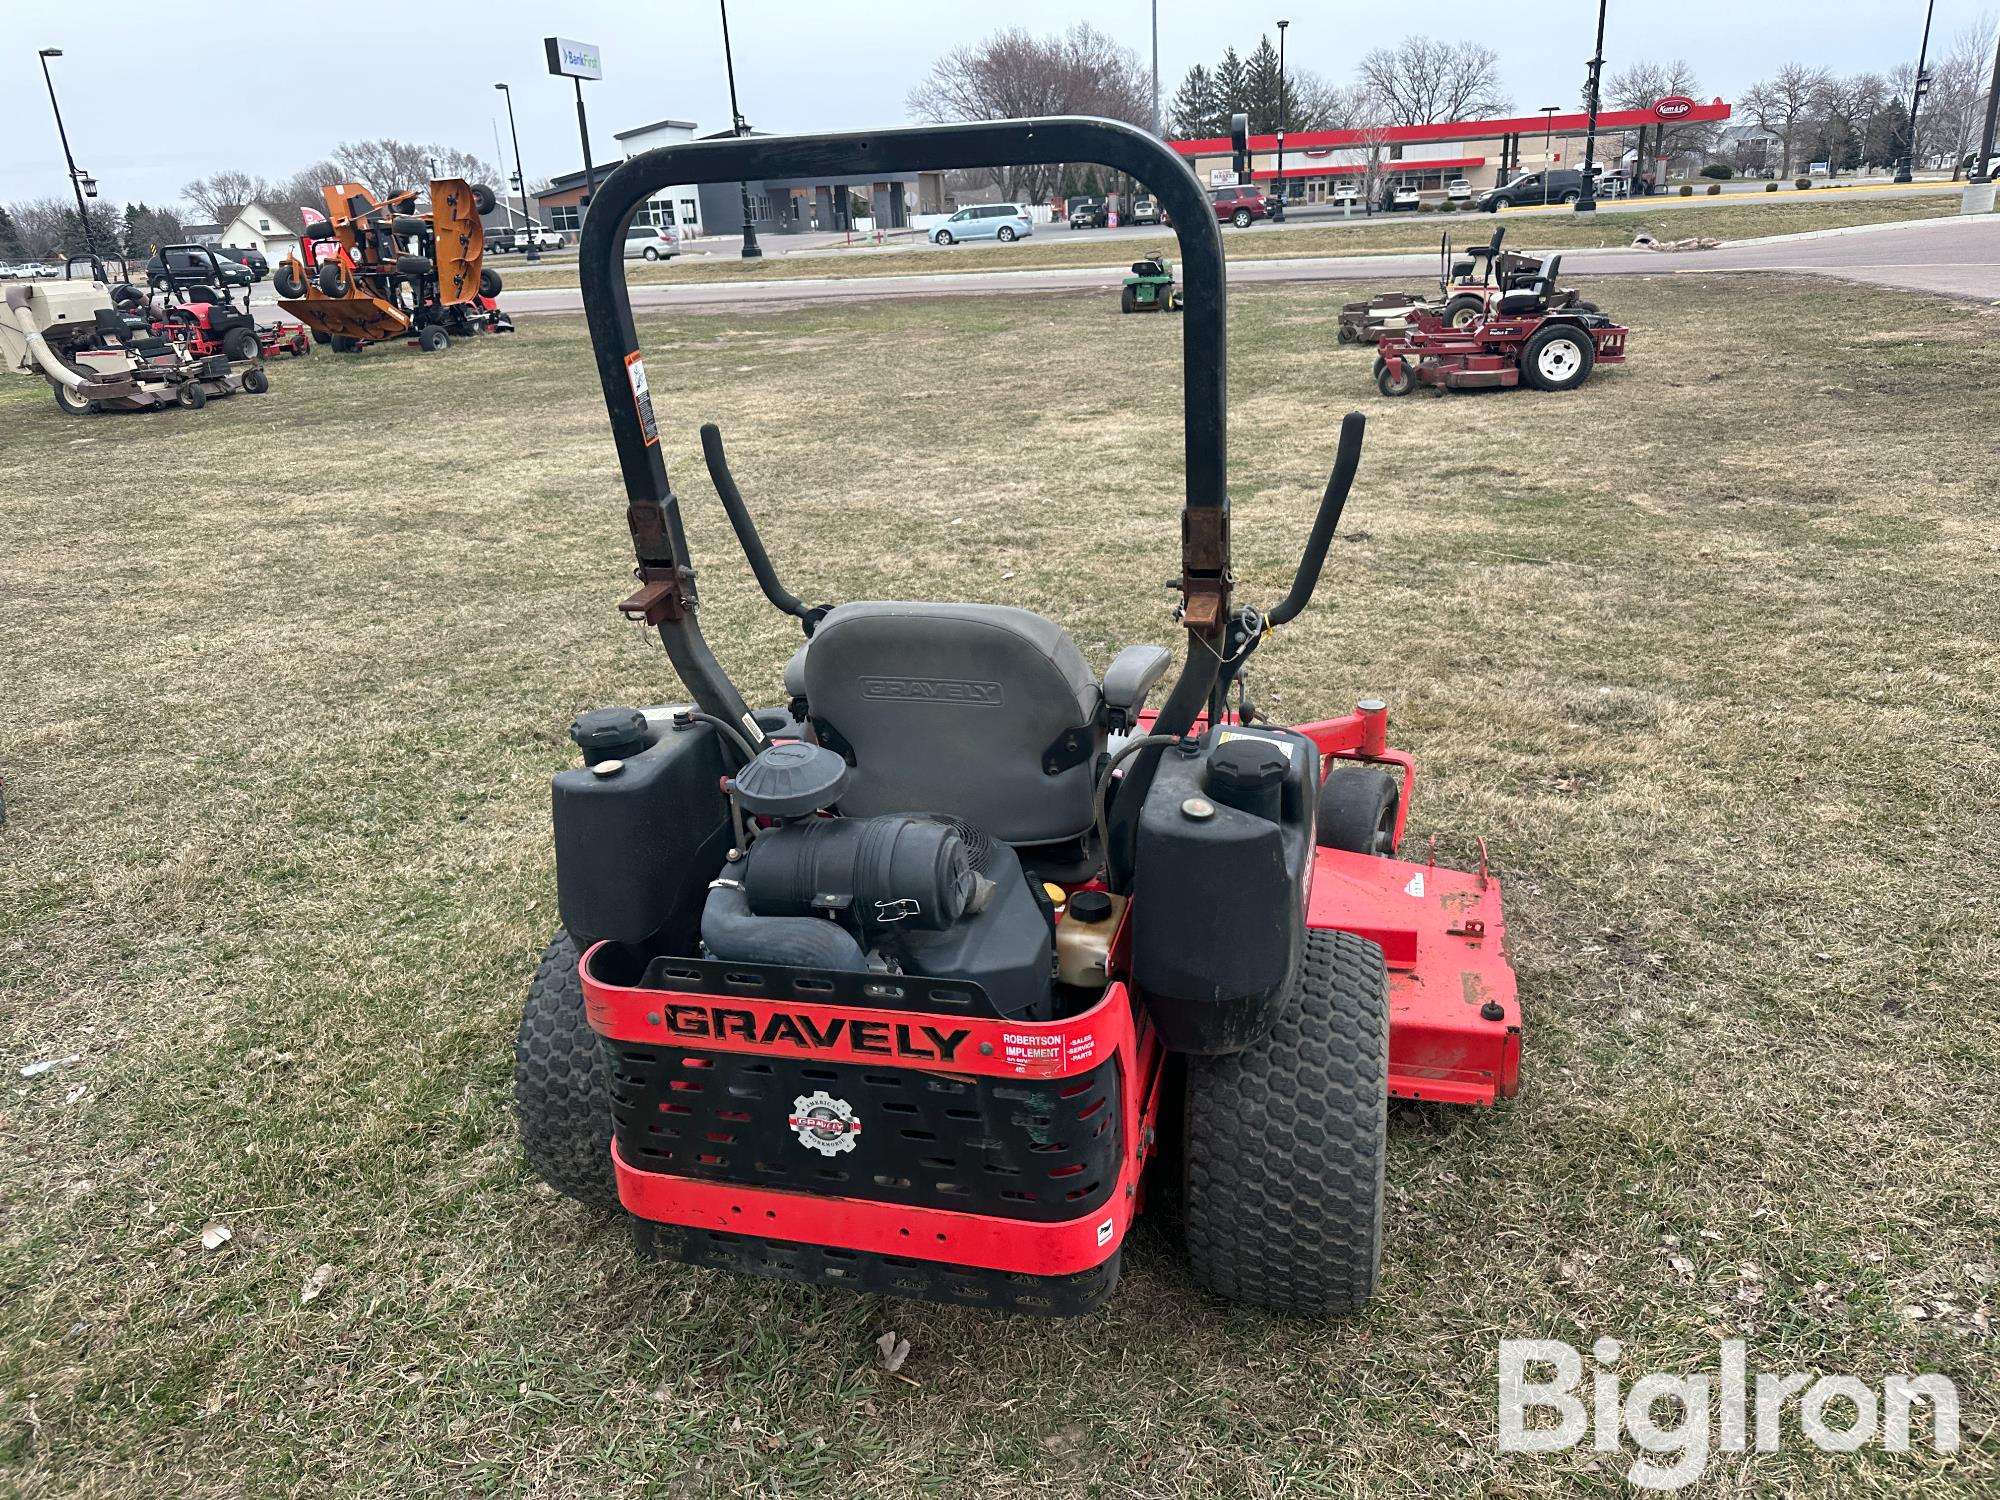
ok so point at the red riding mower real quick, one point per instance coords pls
(1466, 288)
(197, 309)
(1533, 332)
(918, 983)
(371, 272)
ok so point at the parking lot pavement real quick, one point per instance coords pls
(1957, 257)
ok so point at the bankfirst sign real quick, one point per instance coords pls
(568, 59)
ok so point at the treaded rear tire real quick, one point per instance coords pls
(1286, 1143)
(562, 1096)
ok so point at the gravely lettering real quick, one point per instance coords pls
(807, 1034)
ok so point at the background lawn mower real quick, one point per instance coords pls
(906, 984)
(1534, 333)
(89, 338)
(198, 289)
(1466, 288)
(194, 307)
(1150, 287)
(375, 271)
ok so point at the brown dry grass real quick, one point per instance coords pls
(1739, 218)
(1705, 649)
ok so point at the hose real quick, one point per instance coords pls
(730, 930)
(44, 356)
(1097, 797)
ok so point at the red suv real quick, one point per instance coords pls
(1241, 206)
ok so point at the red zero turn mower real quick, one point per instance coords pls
(917, 983)
(1533, 332)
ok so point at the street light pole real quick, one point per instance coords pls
(1548, 146)
(1156, 67)
(1917, 91)
(520, 176)
(751, 250)
(1586, 198)
(1279, 214)
(1979, 172)
(75, 177)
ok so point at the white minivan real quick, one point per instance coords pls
(652, 242)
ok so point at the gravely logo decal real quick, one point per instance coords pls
(783, 1029)
(1673, 107)
(931, 690)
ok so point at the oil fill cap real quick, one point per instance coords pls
(1088, 906)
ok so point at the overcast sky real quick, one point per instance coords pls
(246, 72)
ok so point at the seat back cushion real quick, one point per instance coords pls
(956, 708)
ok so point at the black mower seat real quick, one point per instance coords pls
(980, 711)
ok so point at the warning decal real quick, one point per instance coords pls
(642, 397)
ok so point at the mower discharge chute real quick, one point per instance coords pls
(899, 984)
(93, 339)
(374, 271)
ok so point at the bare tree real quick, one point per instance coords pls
(1784, 102)
(1015, 75)
(220, 191)
(1420, 81)
(39, 223)
(1644, 84)
(389, 166)
(1955, 107)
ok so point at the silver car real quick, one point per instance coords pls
(985, 221)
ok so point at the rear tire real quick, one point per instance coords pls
(1462, 312)
(76, 405)
(562, 1094)
(1558, 358)
(649, 253)
(342, 344)
(1006, 235)
(240, 344)
(1286, 1143)
(1357, 811)
(1241, 218)
(1128, 300)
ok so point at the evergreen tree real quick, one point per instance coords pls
(135, 214)
(11, 248)
(1192, 115)
(105, 227)
(1260, 88)
(1232, 88)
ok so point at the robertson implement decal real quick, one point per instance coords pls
(911, 1039)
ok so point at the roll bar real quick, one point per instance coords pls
(666, 596)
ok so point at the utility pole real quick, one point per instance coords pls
(1917, 91)
(1586, 199)
(521, 177)
(76, 178)
(751, 249)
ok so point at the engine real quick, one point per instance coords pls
(890, 894)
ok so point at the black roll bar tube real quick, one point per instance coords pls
(1352, 426)
(666, 598)
(746, 529)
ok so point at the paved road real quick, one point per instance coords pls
(1957, 257)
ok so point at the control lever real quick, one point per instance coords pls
(746, 534)
(1330, 506)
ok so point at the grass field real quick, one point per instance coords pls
(1704, 649)
(1049, 248)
